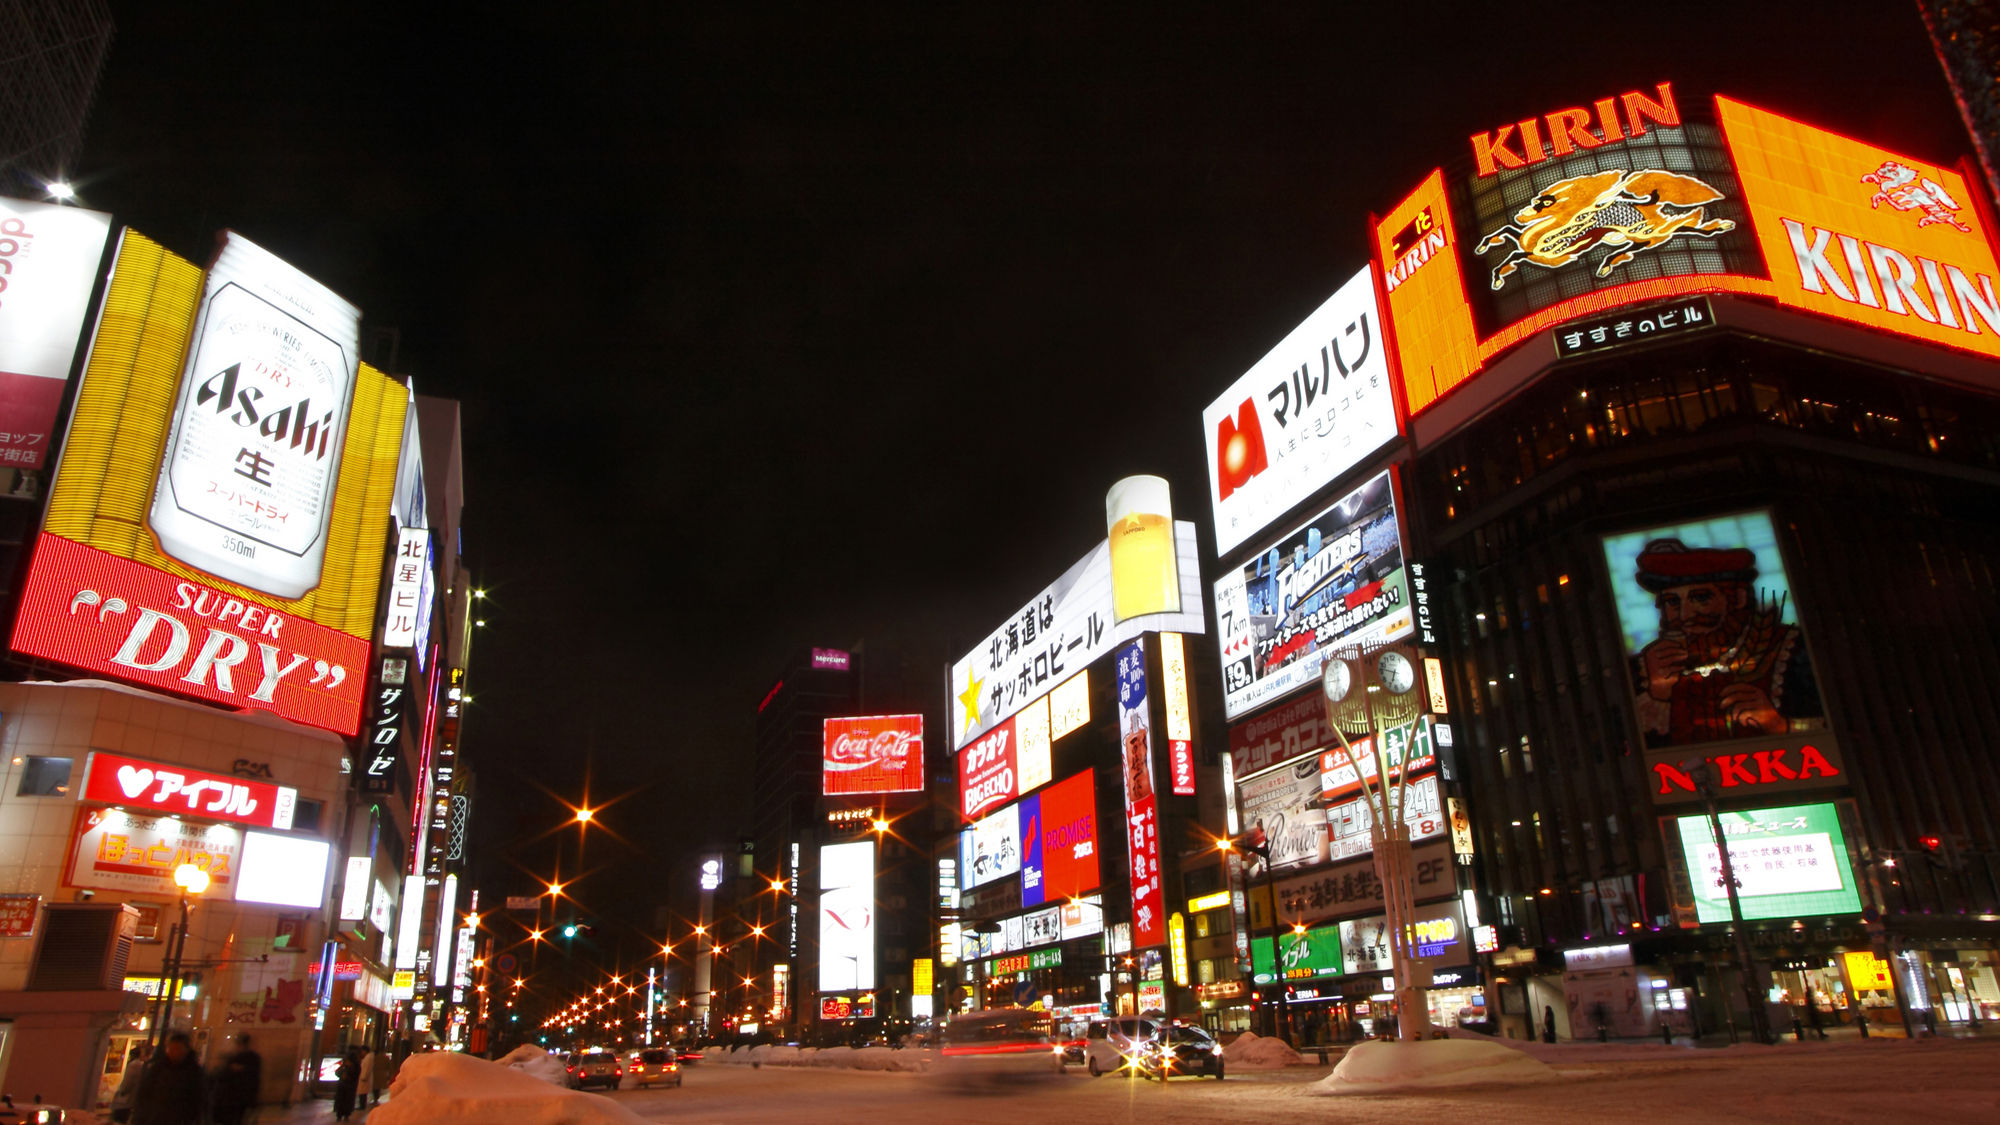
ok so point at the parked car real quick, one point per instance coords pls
(594, 1068)
(1120, 1044)
(651, 1065)
(688, 1053)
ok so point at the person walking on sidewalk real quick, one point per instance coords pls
(1548, 1024)
(128, 1086)
(173, 1091)
(346, 1077)
(364, 1083)
(378, 1069)
(237, 1084)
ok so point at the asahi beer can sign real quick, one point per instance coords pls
(247, 479)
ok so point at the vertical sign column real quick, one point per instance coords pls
(1142, 816)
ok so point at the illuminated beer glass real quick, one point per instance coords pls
(1145, 572)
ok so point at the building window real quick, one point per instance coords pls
(306, 817)
(45, 777)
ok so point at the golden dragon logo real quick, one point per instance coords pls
(1635, 211)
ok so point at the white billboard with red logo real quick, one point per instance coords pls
(115, 850)
(1314, 407)
(134, 783)
(874, 754)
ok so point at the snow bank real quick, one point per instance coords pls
(1256, 1052)
(1586, 1051)
(1378, 1067)
(537, 1063)
(909, 1061)
(446, 1086)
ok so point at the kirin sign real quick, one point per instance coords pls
(874, 754)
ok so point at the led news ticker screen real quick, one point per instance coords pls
(1788, 862)
(103, 595)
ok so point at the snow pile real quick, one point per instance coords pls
(1378, 1067)
(537, 1063)
(1258, 1052)
(446, 1086)
(832, 1056)
(1586, 1052)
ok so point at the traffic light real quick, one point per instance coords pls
(1933, 849)
(569, 930)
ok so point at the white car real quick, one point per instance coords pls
(1115, 1045)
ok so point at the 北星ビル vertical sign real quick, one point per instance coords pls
(1314, 407)
(874, 754)
(1142, 802)
(48, 265)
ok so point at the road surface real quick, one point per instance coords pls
(1860, 1082)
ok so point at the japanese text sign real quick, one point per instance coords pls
(1067, 626)
(50, 255)
(1314, 407)
(1142, 818)
(1788, 861)
(122, 851)
(407, 588)
(179, 791)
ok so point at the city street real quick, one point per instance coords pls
(1881, 1080)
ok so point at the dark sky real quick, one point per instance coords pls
(797, 324)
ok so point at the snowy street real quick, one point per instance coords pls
(1881, 1080)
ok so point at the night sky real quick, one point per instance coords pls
(787, 325)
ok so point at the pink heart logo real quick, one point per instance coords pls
(134, 781)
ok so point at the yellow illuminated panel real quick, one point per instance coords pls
(1867, 972)
(1435, 343)
(1173, 663)
(119, 427)
(1864, 234)
(1069, 705)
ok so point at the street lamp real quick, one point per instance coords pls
(1259, 845)
(1698, 771)
(191, 880)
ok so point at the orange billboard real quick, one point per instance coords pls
(1418, 249)
(1864, 234)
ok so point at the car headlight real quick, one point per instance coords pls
(1217, 1049)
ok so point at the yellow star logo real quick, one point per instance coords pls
(969, 699)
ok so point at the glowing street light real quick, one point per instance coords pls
(61, 190)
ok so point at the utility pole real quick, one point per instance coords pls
(1760, 1018)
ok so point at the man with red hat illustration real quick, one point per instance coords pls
(1725, 664)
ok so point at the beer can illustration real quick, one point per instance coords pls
(1145, 570)
(247, 476)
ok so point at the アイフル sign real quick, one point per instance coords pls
(134, 783)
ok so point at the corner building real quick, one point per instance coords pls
(1732, 499)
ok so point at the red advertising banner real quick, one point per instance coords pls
(1180, 763)
(92, 610)
(18, 914)
(179, 791)
(1280, 734)
(1142, 803)
(875, 754)
(1069, 838)
(986, 772)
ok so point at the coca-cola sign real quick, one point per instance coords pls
(874, 754)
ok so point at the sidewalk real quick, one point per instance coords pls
(312, 1111)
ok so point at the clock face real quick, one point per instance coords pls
(1336, 680)
(1398, 675)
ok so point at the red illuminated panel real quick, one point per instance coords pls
(179, 791)
(877, 754)
(93, 610)
(986, 774)
(1864, 234)
(1069, 838)
(1435, 346)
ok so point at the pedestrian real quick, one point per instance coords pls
(1548, 1024)
(346, 1078)
(128, 1086)
(237, 1083)
(364, 1084)
(1812, 1016)
(173, 1090)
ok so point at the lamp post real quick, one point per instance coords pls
(191, 880)
(1698, 771)
(1259, 845)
